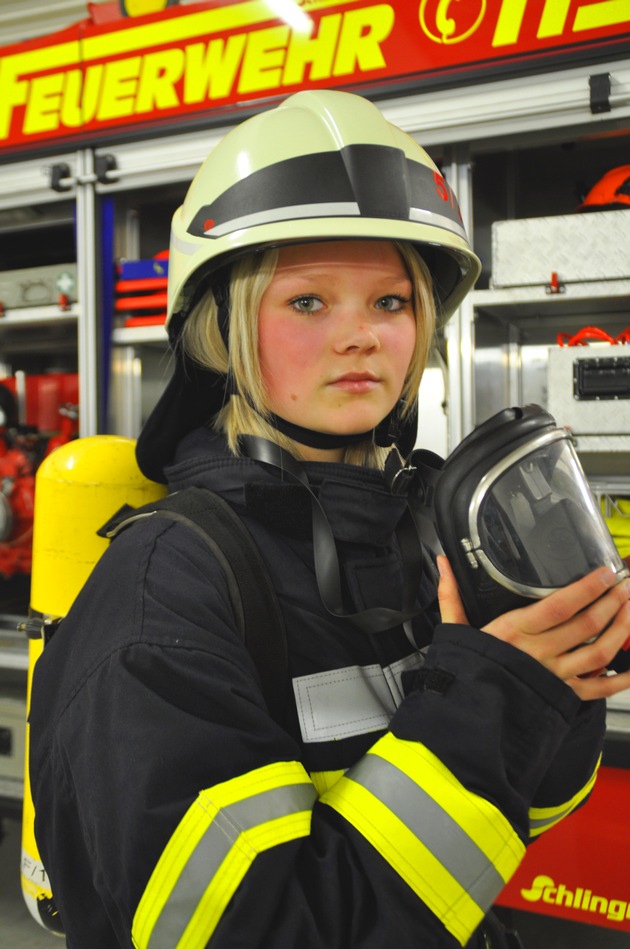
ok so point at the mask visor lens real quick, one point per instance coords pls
(538, 525)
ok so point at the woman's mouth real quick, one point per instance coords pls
(356, 382)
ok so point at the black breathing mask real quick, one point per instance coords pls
(513, 512)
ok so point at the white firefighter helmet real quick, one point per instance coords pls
(322, 165)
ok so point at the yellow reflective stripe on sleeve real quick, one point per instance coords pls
(212, 849)
(453, 848)
(324, 780)
(542, 818)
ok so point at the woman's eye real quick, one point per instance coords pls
(306, 304)
(392, 303)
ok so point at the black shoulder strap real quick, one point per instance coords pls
(253, 597)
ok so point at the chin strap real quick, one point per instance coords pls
(384, 435)
(327, 569)
(314, 439)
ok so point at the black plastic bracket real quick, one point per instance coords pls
(600, 92)
(58, 173)
(103, 164)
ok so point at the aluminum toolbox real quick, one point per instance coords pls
(589, 388)
(38, 286)
(579, 248)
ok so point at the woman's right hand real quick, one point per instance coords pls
(593, 614)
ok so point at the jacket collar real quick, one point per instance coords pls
(357, 502)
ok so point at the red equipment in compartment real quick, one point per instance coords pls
(42, 397)
(17, 499)
(141, 290)
(49, 419)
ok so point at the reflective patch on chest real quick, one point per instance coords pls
(343, 703)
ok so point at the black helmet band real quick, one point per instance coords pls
(370, 181)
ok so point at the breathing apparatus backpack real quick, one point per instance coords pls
(87, 492)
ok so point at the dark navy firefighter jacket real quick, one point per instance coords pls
(389, 809)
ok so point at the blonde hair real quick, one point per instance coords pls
(202, 342)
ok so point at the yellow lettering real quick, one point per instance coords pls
(598, 904)
(564, 897)
(211, 71)
(549, 894)
(81, 96)
(264, 59)
(15, 89)
(603, 13)
(92, 91)
(141, 7)
(14, 93)
(71, 104)
(554, 18)
(158, 76)
(44, 103)
(319, 51)
(119, 88)
(617, 910)
(538, 887)
(362, 33)
(509, 22)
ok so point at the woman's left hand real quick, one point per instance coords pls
(574, 632)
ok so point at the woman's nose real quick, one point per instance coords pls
(355, 331)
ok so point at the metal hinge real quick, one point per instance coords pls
(471, 557)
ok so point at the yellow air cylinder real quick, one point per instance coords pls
(78, 487)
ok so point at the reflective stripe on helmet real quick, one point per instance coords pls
(212, 849)
(453, 848)
(323, 165)
(291, 213)
(371, 181)
(542, 818)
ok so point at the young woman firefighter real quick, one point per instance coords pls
(416, 758)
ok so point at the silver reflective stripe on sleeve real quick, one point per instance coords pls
(212, 849)
(542, 818)
(437, 829)
(453, 848)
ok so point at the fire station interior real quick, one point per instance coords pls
(511, 177)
